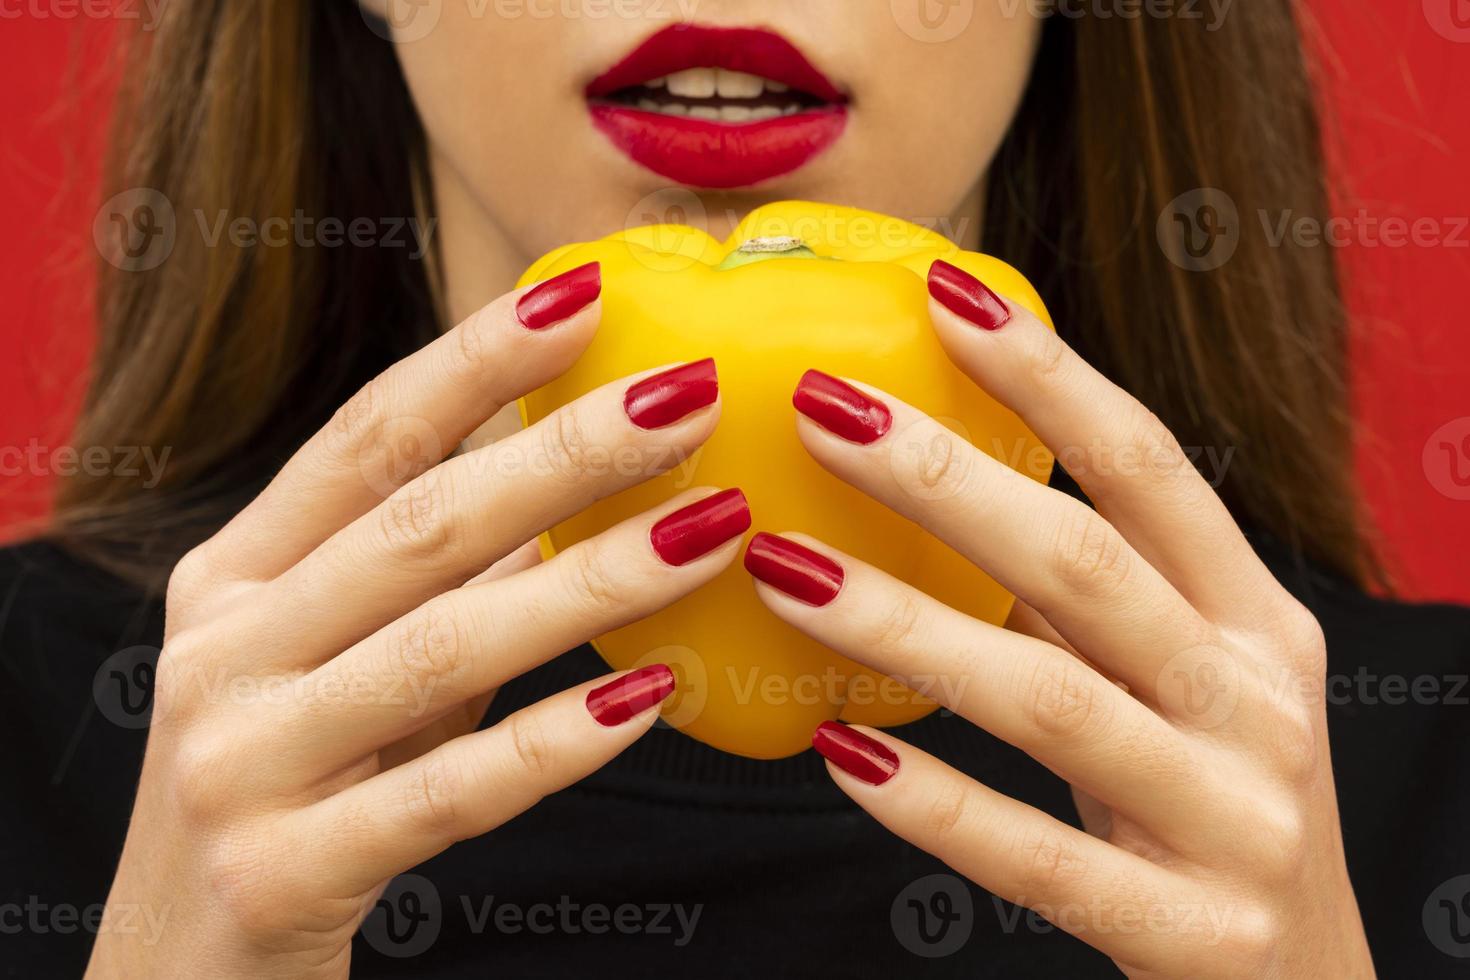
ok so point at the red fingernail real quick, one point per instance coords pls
(840, 408)
(667, 397)
(559, 297)
(855, 753)
(700, 528)
(632, 694)
(964, 295)
(797, 571)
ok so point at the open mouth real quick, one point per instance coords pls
(717, 107)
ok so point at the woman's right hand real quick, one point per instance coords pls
(329, 654)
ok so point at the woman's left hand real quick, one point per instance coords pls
(1153, 663)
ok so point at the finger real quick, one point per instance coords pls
(409, 418)
(475, 783)
(1028, 622)
(1048, 548)
(1120, 454)
(1028, 693)
(1085, 886)
(472, 510)
(471, 640)
(526, 556)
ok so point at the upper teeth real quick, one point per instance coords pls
(705, 83)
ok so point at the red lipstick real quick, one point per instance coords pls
(716, 140)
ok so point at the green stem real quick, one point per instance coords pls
(761, 249)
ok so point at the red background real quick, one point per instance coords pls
(1399, 136)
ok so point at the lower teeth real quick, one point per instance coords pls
(729, 113)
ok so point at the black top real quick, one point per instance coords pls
(678, 860)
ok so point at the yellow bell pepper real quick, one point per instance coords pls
(814, 286)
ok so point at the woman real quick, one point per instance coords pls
(284, 830)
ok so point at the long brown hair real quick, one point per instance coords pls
(231, 356)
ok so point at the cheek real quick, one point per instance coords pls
(945, 108)
(504, 121)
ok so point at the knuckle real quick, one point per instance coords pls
(1281, 840)
(566, 444)
(1064, 700)
(474, 336)
(432, 797)
(534, 755)
(592, 580)
(240, 882)
(946, 811)
(1254, 941)
(414, 520)
(930, 462)
(353, 421)
(1050, 865)
(428, 644)
(1156, 450)
(189, 579)
(1045, 359)
(1298, 742)
(1301, 633)
(1091, 559)
(895, 629)
(204, 779)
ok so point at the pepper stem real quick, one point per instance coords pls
(761, 249)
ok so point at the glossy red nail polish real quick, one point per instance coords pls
(796, 570)
(559, 297)
(694, 531)
(855, 753)
(841, 409)
(667, 397)
(618, 701)
(965, 296)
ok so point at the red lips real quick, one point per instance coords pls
(709, 153)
